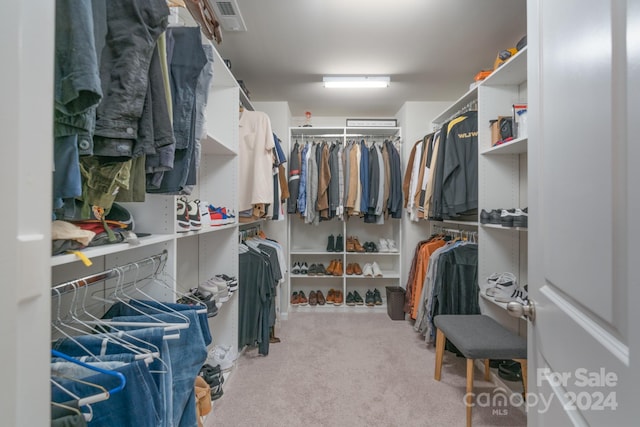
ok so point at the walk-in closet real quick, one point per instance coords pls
(245, 213)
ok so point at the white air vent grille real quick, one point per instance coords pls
(229, 15)
(226, 8)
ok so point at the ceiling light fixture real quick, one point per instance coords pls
(355, 81)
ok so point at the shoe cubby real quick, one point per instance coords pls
(308, 243)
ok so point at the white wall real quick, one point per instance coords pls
(280, 117)
(415, 119)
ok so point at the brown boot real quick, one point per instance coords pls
(349, 270)
(330, 296)
(338, 298)
(356, 269)
(349, 245)
(357, 246)
(338, 270)
(332, 266)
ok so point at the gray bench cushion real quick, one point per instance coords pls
(480, 337)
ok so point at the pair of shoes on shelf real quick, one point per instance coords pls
(370, 247)
(200, 297)
(514, 217)
(316, 298)
(506, 217)
(217, 287)
(335, 244)
(220, 216)
(300, 268)
(334, 297)
(387, 245)
(353, 245)
(373, 298)
(188, 215)
(212, 375)
(490, 217)
(317, 270)
(222, 355)
(299, 298)
(354, 298)
(335, 268)
(353, 269)
(503, 287)
(371, 270)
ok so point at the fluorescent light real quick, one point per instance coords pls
(355, 82)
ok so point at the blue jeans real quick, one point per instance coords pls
(107, 350)
(188, 354)
(137, 405)
(66, 176)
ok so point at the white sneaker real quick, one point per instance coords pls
(383, 246)
(391, 244)
(504, 284)
(205, 218)
(195, 221)
(217, 287)
(222, 355)
(518, 295)
(376, 269)
(367, 270)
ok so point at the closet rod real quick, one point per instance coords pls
(469, 106)
(72, 285)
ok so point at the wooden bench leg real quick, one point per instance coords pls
(440, 340)
(469, 399)
(487, 370)
(523, 366)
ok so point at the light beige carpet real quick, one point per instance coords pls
(351, 369)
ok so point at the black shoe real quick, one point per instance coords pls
(510, 371)
(331, 245)
(350, 300)
(521, 218)
(506, 217)
(313, 270)
(368, 299)
(339, 244)
(320, 270)
(494, 216)
(357, 298)
(377, 298)
(484, 217)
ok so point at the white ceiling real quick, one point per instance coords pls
(430, 48)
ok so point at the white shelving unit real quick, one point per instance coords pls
(308, 243)
(194, 256)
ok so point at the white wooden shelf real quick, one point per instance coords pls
(386, 274)
(500, 227)
(313, 252)
(374, 253)
(306, 276)
(99, 251)
(213, 144)
(517, 146)
(207, 229)
(339, 308)
(502, 305)
(512, 72)
(469, 223)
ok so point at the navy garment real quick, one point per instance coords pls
(294, 179)
(137, 405)
(188, 58)
(364, 177)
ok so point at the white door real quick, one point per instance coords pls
(584, 234)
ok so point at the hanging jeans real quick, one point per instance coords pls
(188, 354)
(137, 405)
(107, 350)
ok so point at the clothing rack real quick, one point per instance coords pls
(71, 286)
(456, 232)
(469, 106)
(249, 230)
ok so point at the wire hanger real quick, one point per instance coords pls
(122, 381)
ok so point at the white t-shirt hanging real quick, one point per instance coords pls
(255, 159)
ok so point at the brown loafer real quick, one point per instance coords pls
(313, 298)
(349, 270)
(320, 296)
(356, 269)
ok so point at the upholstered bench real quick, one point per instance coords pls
(478, 337)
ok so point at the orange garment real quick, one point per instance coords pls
(421, 272)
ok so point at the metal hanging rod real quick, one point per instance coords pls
(73, 285)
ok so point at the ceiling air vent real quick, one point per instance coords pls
(229, 15)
